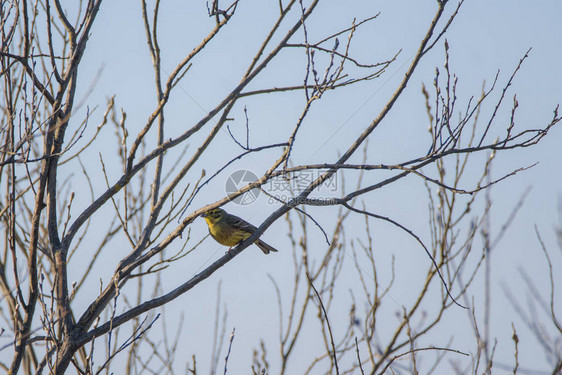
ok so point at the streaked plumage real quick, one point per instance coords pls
(230, 230)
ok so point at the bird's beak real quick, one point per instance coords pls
(204, 214)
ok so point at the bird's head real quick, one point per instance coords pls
(214, 215)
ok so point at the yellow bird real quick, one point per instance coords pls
(230, 230)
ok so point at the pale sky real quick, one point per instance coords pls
(485, 37)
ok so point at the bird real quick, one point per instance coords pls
(230, 230)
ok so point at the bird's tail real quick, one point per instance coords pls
(265, 247)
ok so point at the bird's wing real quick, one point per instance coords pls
(241, 224)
